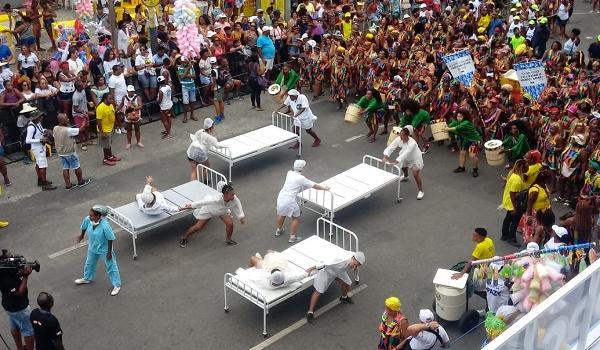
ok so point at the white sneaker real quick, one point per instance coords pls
(80, 281)
(420, 195)
(115, 291)
(279, 231)
(294, 239)
(117, 131)
(258, 255)
(403, 178)
(123, 131)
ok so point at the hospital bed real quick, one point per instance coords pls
(330, 242)
(351, 186)
(131, 219)
(250, 144)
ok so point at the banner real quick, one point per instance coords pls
(461, 66)
(531, 77)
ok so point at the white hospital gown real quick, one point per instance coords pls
(329, 272)
(295, 183)
(306, 119)
(216, 206)
(273, 260)
(409, 156)
(160, 203)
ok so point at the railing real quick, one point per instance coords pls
(209, 176)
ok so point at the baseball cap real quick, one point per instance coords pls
(266, 28)
(423, 6)
(160, 79)
(425, 315)
(259, 10)
(532, 22)
(406, 17)
(293, 92)
(397, 78)
(544, 20)
(212, 60)
(130, 88)
(516, 18)
(559, 230)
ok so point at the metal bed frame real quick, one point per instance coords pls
(206, 177)
(326, 230)
(321, 198)
(280, 120)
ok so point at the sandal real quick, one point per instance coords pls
(475, 172)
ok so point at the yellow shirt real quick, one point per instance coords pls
(542, 202)
(532, 174)
(484, 249)
(346, 29)
(484, 22)
(514, 183)
(106, 114)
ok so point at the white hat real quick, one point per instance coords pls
(208, 123)
(311, 43)
(160, 79)
(218, 26)
(397, 78)
(299, 165)
(210, 34)
(425, 315)
(259, 10)
(293, 92)
(360, 257)
(579, 139)
(220, 185)
(560, 231)
(410, 129)
(304, 36)
(532, 246)
(448, 8)
(423, 6)
(212, 60)
(27, 108)
(266, 28)
(405, 17)
(147, 197)
(130, 88)
(222, 15)
(276, 278)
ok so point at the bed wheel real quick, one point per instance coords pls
(399, 200)
(135, 257)
(265, 335)
(226, 310)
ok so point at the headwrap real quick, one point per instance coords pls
(100, 209)
(277, 278)
(299, 165)
(393, 303)
(535, 156)
(220, 186)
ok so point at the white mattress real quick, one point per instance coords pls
(349, 186)
(254, 141)
(300, 256)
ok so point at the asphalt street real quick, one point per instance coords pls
(172, 298)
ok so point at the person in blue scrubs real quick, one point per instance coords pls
(100, 246)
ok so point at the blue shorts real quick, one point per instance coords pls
(20, 321)
(204, 80)
(147, 81)
(65, 96)
(28, 41)
(188, 94)
(70, 162)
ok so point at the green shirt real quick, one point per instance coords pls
(515, 42)
(291, 80)
(465, 131)
(370, 106)
(415, 120)
(517, 146)
(186, 82)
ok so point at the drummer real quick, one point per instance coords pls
(305, 119)
(287, 80)
(468, 140)
(287, 206)
(409, 156)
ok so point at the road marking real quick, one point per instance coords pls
(336, 145)
(289, 330)
(67, 250)
(350, 139)
(583, 13)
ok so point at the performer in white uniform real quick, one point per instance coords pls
(287, 206)
(327, 273)
(410, 156)
(222, 205)
(202, 141)
(152, 202)
(298, 104)
(272, 271)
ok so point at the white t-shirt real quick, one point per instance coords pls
(409, 155)
(48, 91)
(301, 102)
(511, 29)
(563, 12)
(142, 60)
(166, 103)
(29, 61)
(497, 294)
(552, 244)
(75, 66)
(426, 340)
(529, 34)
(117, 82)
(122, 41)
(108, 66)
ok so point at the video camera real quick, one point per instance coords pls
(18, 262)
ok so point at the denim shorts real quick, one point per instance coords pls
(20, 321)
(188, 95)
(147, 81)
(28, 41)
(70, 162)
(204, 80)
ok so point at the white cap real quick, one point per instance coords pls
(423, 6)
(293, 92)
(208, 123)
(276, 278)
(532, 246)
(360, 257)
(304, 36)
(212, 60)
(579, 139)
(397, 78)
(311, 43)
(130, 88)
(210, 34)
(406, 17)
(410, 129)
(147, 197)
(425, 315)
(299, 164)
(160, 79)
(560, 231)
(448, 8)
(222, 15)
(266, 28)
(220, 185)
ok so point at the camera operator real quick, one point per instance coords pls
(13, 285)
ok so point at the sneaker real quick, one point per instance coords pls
(475, 172)
(420, 195)
(81, 281)
(218, 120)
(183, 243)
(115, 158)
(84, 183)
(346, 300)
(310, 317)
(118, 131)
(84, 147)
(294, 239)
(403, 178)
(140, 145)
(460, 169)
(3, 224)
(231, 242)
(258, 255)
(48, 187)
(68, 188)
(109, 162)
(115, 291)
(279, 231)
(123, 131)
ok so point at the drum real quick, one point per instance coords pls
(492, 152)
(438, 131)
(352, 115)
(274, 89)
(393, 134)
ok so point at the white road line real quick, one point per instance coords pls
(66, 250)
(350, 139)
(287, 331)
(336, 145)
(583, 13)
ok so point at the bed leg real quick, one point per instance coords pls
(133, 238)
(265, 334)
(398, 198)
(225, 308)
(357, 279)
(230, 172)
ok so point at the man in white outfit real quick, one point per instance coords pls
(427, 340)
(222, 205)
(272, 271)
(287, 206)
(305, 119)
(152, 202)
(327, 273)
(410, 156)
